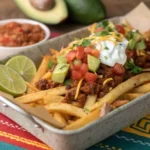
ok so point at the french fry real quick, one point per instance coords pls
(33, 97)
(47, 75)
(91, 99)
(54, 51)
(119, 103)
(60, 118)
(130, 96)
(31, 87)
(51, 98)
(42, 69)
(142, 89)
(84, 120)
(121, 89)
(66, 109)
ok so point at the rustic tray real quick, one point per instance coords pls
(86, 136)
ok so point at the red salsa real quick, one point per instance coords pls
(15, 34)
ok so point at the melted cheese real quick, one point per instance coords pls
(107, 80)
(78, 89)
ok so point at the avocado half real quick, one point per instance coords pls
(53, 16)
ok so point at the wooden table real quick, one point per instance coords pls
(8, 9)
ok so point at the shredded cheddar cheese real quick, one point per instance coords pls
(78, 89)
(92, 28)
(107, 80)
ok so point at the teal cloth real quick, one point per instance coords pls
(6, 146)
(123, 141)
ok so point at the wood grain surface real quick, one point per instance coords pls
(8, 9)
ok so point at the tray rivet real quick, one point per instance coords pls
(36, 126)
(5, 105)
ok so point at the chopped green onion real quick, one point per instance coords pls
(67, 82)
(50, 64)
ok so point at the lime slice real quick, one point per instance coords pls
(23, 65)
(11, 82)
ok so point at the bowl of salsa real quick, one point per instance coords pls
(18, 34)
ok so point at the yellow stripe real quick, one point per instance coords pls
(24, 140)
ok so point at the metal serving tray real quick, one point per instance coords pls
(86, 136)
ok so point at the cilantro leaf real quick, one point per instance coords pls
(50, 64)
(67, 82)
(85, 42)
(132, 67)
(102, 33)
(86, 109)
(106, 48)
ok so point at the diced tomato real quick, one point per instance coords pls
(90, 77)
(99, 29)
(84, 68)
(76, 75)
(120, 29)
(87, 50)
(5, 40)
(77, 67)
(130, 54)
(118, 69)
(84, 60)
(70, 56)
(95, 53)
(19, 29)
(80, 52)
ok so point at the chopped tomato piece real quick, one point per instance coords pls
(84, 68)
(77, 67)
(76, 75)
(99, 29)
(71, 55)
(118, 69)
(95, 53)
(5, 40)
(130, 54)
(120, 29)
(80, 52)
(90, 77)
(87, 50)
(84, 60)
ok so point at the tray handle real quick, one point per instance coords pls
(7, 103)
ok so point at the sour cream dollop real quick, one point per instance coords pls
(111, 53)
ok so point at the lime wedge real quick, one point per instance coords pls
(11, 82)
(23, 65)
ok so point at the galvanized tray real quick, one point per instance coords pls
(86, 136)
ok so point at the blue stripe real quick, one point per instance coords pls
(6, 146)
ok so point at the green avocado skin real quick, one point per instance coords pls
(85, 11)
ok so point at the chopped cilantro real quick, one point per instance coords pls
(102, 33)
(124, 25)
(106, 48)
(85, 42)
(50, 64)
(106, 57)
(86, 109)
(104, 23)
(67, 82)
(132, 67)
(76, 44)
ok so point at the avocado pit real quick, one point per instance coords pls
(43, 5)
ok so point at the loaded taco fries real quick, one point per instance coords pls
(93, 74)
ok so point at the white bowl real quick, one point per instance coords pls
(6, 51)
